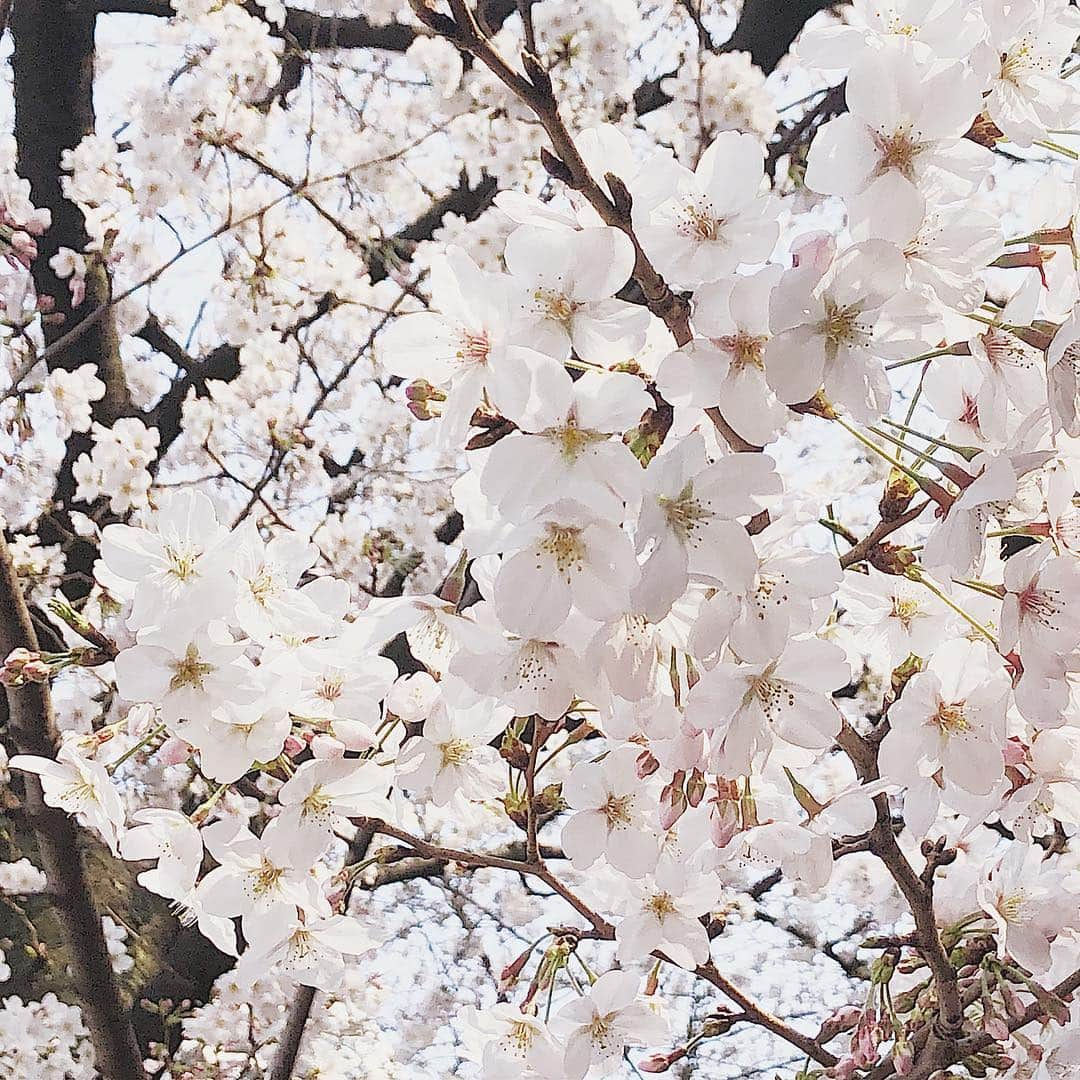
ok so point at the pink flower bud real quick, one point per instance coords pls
(646, 764)
(672, 805)
(139, 719)
(23, 244)
(174, 751)
(509, 975)
(844, 1069)
(36, 671)
(38, 221)
(293, 746)
(815, 249)
(326, 746)
(723, 823)
(658, 1063)
(354, 734)
(23, 666)
(903, 1058)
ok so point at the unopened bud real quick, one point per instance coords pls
(900, 489)
(646, 764)
(672, 805)
(658, 1063)
(716, 1025)
(882, 969)
(892, 559)
(23, 666)
(509, 975)
(419, 394)
(696, 787)
(843, 1069)
(995, 1027)
(903, 1057)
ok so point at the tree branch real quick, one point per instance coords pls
(600, 928)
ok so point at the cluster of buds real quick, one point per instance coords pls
(685, 790)
(23, 666)
(17, 237)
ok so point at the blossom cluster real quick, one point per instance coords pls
(646, 653)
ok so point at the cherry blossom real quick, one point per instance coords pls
(602, 1023)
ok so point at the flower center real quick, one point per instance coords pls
(904, 609)
(183, 563)
(266, 878)
(572, 440)
(565, 545)
(300, 944)
(330, 687)
(902, 28)
(1041, 605)
(747, 350)
(841, 326)
(684, 513)
(661, 905)
(189, 671)
(317, 804)
(555, 305)
(767, 586)
(951, 719)
(264, 587)
(520, 1036)
(600, 1029)
(78, 793)
(772, 695)
(1011, 908)
(617, 810)
(455, 752)
(898, 151)
(473, 347)
(696, 221)
(1016, 63)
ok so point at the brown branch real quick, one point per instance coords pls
(311, 31)
(603, 930)
(864, 549)
(33, 731)
(917, 891)
(532, 850)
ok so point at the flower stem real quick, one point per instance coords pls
(921, 577)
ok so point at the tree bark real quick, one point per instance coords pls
(53, 66)
(33, 731)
